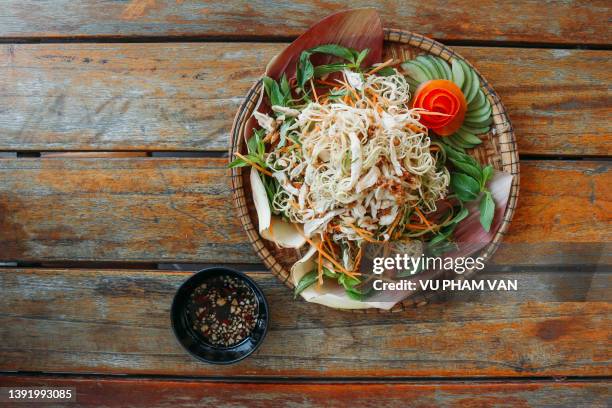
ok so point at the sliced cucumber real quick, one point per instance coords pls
(479, 115)
(439, 68)
(458, 76)
(439, 63)
(475, 84)
(467, 80)
(479, 101)
(415, 71)
(448, 74)
(480, 123)
(475, 130)
(449, 141)
(431, 74)
(467, 137)
(429, 65)
(460, 142)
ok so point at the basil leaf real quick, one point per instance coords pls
(487, 174)
(453, 153)
(487, 210)
(459, 156)
(443, 234)
(252, 144)
(359, 292)
(441, 243)
(464, 186)
(354, 295)
(305, 69)
(306, 281)
(272, 187)
(328, 69)
(461, 215)
(285, 89)
(335, 50)
(347, 281)
(338, 93)
(273, 91)
(237, 163)
(329, 273)
(386, 71)
(361, 56)
(469, 169)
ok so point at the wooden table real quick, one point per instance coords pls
(114, 122)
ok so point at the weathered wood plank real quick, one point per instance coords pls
(135, 209)
(181, 210)
(574, 21)
(106, 321)
(183, 96)
(92, 392)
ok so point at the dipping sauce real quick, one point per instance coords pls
(223, 310)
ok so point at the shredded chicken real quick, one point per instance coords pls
(355, 162)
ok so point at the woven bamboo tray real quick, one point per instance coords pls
(498, 149)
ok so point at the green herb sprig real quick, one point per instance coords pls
(256, 149)
(469, 182)
(306, 71)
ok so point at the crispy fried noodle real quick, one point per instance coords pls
(355, 163)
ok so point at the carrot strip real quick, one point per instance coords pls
(271, 228)
(364, 234)
(381, 66)
(257, 166)
(395, 222)
(358, 259)
(325, 255)
(324, 82)
(320, 268)
(314, 91)
(433, 113)
(421, 216)
(417, 227)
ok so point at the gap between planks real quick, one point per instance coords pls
(313, 380)
(109, 39)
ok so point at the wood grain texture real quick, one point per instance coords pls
(117, 322)
(574, 21)
(165, 393)
(181, 210)
(135, 209)
(183, 96)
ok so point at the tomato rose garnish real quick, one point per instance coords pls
(445, 105)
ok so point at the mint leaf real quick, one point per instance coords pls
(284, 87)
(386, 71)
(487, 174)
(305, 70)
(273, 91)
(335, 50)
(237, 163)
(361, 56)
(464, 186)
(487, 210)
(469, 169)
(306, 281)
(328, 69)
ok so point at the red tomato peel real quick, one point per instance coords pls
(441, 96)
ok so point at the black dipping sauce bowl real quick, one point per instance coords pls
(194, 342)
